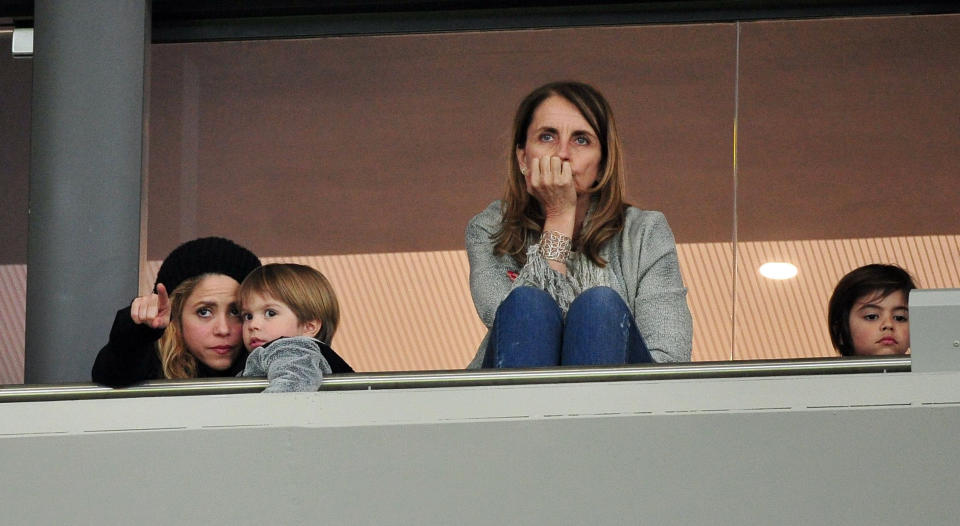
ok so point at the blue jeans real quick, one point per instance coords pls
(529, 331)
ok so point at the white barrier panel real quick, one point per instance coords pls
(935, 329)
(837, 449)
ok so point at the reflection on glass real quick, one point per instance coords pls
(365, 156)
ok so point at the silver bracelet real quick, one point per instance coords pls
(555, 246)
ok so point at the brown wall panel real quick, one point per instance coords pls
(16, 82)
(849, 128)
(391, 143)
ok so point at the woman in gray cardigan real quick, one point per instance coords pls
(562, 271)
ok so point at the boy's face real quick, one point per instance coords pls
(880, 325)
(265, 319)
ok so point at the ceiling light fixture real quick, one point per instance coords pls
(778, 270)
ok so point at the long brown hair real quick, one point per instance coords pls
(175, 359)
(522, 215)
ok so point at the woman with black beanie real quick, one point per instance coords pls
(192, 332)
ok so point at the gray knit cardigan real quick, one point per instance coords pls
(641, 266)
(291, 364)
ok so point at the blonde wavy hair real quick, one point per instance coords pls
(176, 360)
(304, 289)
(522, 216)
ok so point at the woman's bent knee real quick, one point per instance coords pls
(599, 299)
(529, 295)
(527, 300)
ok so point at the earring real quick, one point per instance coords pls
(523, 171)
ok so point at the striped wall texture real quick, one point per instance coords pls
(412, 310)
(13, 308)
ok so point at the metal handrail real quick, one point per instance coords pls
(483, 377)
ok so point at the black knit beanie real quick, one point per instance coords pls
(207, 255)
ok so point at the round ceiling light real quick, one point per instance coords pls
(778, 270)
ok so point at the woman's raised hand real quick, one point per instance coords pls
(152, 309)
(550, 181)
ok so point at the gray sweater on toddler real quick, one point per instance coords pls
(292, 364)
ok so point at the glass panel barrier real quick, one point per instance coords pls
(847, 154)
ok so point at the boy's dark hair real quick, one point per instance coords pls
(881, 280)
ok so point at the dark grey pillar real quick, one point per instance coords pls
(87, 152)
